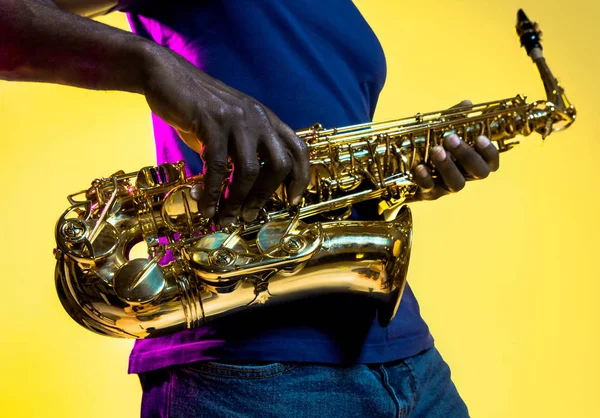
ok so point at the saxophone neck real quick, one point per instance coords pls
(564, 112)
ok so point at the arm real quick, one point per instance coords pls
(40, 42)
(46, 44)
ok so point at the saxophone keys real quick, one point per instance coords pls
(139, 281)
(164, 175)
(293, 244)
(74, 230)
(276, 235)
(222, 257)
(217, 258)
(74, 239)
(180, 212)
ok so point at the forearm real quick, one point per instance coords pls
(40, 42)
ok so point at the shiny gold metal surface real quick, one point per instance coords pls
(195, 271)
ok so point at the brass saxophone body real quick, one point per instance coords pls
(196, 272)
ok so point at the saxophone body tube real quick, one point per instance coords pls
(141, 299)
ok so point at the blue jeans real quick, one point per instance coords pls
(418, 386)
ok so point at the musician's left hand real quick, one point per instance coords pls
(453, 161)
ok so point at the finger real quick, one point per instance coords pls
(448, 171)
(464, 103)
(488, 152)
(300, 170)
(467, 157)
(277, 166)
(245, 171)
(214, 157)
(424, 179)
(457, 108)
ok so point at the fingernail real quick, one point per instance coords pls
(196, 192)
(250, 214)
(439, 153)
(421, 171)
(295, 200)
(453, 141)
(483, 141)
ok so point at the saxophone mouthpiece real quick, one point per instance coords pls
(563, 112)
(521, 16)
(528, 32)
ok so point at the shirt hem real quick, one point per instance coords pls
(276, 352)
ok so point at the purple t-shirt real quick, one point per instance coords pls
(308, 61)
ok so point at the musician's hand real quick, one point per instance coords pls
(221, 123)
(453, 161)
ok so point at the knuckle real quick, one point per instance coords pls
(238, 112)
(281, 164)
(444, 167)
(249, 170)
(302, 147)
(218, 167)
(211, 194)
(226, 113)
(255, 106)
(466, 154)
(471, 160)
(298, 145)
(221, 113)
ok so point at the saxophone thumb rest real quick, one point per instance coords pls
(195, 272)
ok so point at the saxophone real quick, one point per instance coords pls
(195, 271)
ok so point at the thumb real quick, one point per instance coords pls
(191, 140)
(464, 103)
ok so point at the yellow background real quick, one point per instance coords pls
(505, 270)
